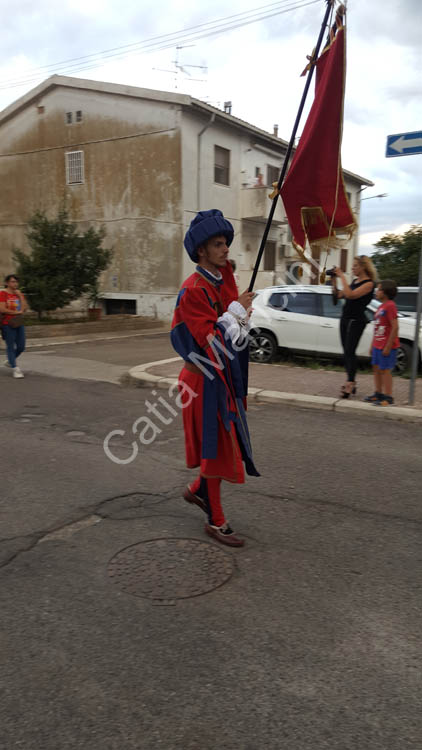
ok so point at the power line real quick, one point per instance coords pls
(162, 42)
(159, 37)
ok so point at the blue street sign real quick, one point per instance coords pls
(404, 144)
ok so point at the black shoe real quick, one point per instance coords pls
(347, 394)
(376, 396)
(384, 401)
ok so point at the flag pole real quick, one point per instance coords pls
(330, 5)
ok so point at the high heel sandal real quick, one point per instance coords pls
(347, 394)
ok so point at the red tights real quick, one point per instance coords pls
(209, 491)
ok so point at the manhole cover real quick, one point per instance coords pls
(167, 569)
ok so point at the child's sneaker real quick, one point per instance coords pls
(224, 534)
(372, 399)
(17, 373)
(384, 401)
(6, 363)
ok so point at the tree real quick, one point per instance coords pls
(62, 264)
(398, 256)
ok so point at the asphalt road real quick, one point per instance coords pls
(312, 641)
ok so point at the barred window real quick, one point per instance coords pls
(78, 115)
(69, 118)
(221, 165)
(74, 167)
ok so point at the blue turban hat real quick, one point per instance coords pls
(205, 225)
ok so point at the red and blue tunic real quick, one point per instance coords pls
(214, 420)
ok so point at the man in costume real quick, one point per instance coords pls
(209, 331)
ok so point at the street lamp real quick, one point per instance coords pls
(381, 195)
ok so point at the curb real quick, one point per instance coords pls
(398, 413)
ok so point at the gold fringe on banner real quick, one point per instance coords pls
(313, 217)
(301, 253)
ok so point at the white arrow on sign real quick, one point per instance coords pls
(401, 143)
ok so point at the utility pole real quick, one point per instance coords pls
(415, 352)
(410, 144)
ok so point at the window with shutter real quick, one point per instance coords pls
(221, 165)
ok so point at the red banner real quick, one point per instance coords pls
(313, 192)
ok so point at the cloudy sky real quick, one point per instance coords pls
(256, 66)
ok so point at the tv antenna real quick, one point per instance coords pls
(178, 68)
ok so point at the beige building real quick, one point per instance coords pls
(142, 163)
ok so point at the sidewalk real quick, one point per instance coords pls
(40, 357)
(300, 386)
(276, 383)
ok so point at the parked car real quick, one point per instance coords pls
(303, 319)
(407, 300)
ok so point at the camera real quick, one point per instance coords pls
(331, 273)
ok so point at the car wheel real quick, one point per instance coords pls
(263, 347)
(404, 358)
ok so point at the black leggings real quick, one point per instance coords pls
(350, 331)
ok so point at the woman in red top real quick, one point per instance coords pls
(384, 344)
(12, 304)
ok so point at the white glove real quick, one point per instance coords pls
(236, 322)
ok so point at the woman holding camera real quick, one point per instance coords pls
(353, 320)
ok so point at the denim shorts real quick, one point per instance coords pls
(383, 362)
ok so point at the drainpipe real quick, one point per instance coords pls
(198, 170)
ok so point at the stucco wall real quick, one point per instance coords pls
(244, 156)
(200, 192)
(143, 182)
(132, 158)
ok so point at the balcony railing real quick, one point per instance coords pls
(255, 205)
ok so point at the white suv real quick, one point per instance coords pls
(407, 300)
(305, 319)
